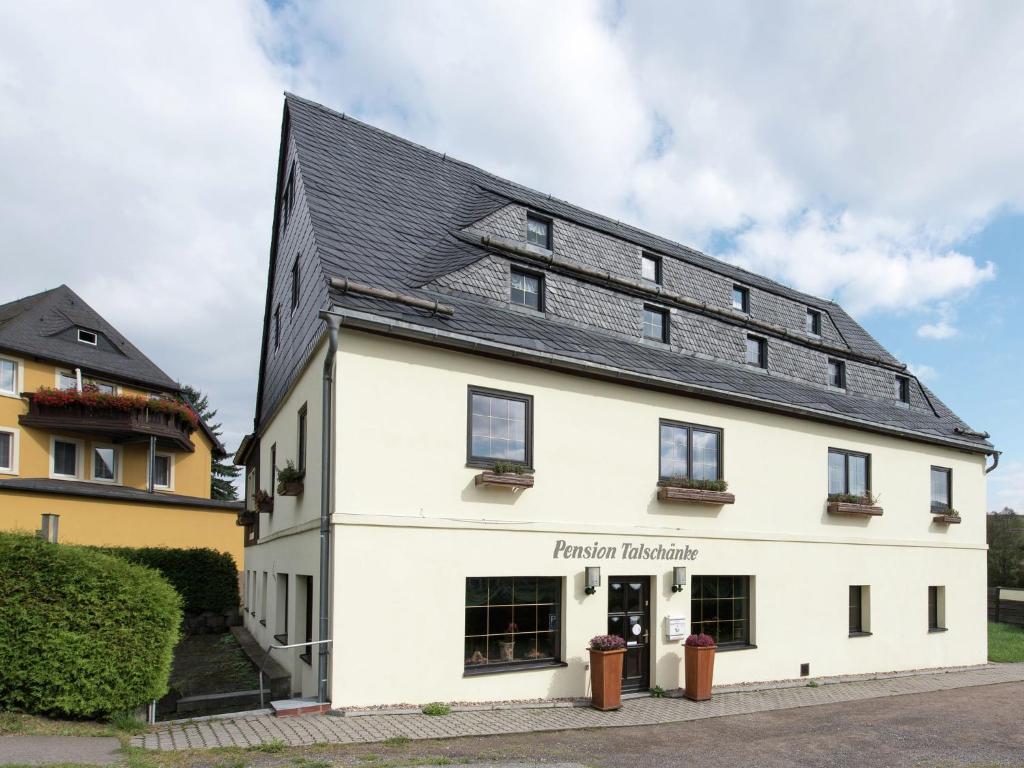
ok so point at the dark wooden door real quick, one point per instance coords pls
(629, 614)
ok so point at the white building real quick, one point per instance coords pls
(480, 322)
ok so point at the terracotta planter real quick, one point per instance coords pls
(700, 669)
(606, 678)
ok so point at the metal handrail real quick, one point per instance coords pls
(282, 648)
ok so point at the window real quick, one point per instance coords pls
(936, 609)
(105, 459)
(8, 377)
(302, 437)
(87, 337)
(741, 299)
(8, 452)
(67, 380)
(286, 199)
(689, 451)
(277, 326)
(849, 472)
(858, 611)
(650, 268)
(273, 470)
(655, 324)
(942, 488)
(500, 427)
(281, 608)
(720, 607)
(263, 600)
(100, 386)
(836, 373)
(903, 389)
(757, 351)
(163, 471)
(527, 289)
(307, 637)
(812, 323)
(295, 284)
(538, 231)
(65, 458)
(512, 620)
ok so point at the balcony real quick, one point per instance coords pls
(116, 418)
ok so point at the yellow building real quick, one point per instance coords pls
(95, 446)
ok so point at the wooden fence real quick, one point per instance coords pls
(1006, 605)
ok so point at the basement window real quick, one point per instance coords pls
(87, 337)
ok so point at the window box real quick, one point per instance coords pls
(862, 508)
(504, 480)
(246, 518)
(946, 518)
(290, 480)
(264, 502)
(694, 495)
(291, 489)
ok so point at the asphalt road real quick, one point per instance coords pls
(980, 726)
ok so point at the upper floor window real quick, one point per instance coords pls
(302, 438)
(836, 373)
(757, 351)
(538, 231)
(527, 289)
(650, 268)
(87, 337)
(500, 428)
(849, 473)
(942, 488)
(277, 326)
(689, 451)
(295, 283)
(812, 323)
(8, 376)
(655, 324)
(741, 299)
(903, 389)
(100, 386)
(286, 199)
(67, 380)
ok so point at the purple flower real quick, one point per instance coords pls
(607, 643)
(700, 641)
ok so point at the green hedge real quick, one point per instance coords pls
(82, 634)
(206, 579)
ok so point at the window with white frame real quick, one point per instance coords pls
(65, 458)
(67, 380)
(163, 471)
(8, 451)
(8, 376)
(87, 337)
(106, 460)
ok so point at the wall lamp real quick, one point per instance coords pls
(593, 579)
(678, 578)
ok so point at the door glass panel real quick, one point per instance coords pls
(634, 597)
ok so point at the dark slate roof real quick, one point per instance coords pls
(114, 493)
(43, 326)
(387, 212)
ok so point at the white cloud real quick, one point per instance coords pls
(940, 330)
(924, 372)
(1006, 487)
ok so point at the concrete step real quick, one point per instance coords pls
(292, 707)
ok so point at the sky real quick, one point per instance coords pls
(867, 152)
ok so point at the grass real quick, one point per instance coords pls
(1005, 642)
(17, 724)
(436, 708)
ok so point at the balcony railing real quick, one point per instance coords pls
(119, 425)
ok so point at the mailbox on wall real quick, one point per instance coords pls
(675, 627)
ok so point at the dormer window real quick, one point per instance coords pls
(836, 373)
(87, 337)
(655, 324)
(527, 289)
(903, 389)
(757, 351)
(650, 268)
(813, 323)
(538, 231)
(741, 299)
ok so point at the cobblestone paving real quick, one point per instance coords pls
(315, 729)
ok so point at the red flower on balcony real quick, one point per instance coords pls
(93, 399)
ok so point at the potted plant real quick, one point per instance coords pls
(246, 517)
(606, 653)
(699, 666)
(264, 502)
(507, 647)
(289, 480)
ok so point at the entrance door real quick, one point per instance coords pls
(629, 614)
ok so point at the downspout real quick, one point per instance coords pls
(995, 461)
(326, 466)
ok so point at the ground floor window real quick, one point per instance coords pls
(512, 620)
(720, 607)
(307, 651)
(859, 610)
(936, 609)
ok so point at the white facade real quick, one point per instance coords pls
(410, 527)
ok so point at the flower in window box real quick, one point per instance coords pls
(289, 480)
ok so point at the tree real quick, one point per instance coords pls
(222, 475)
(1005, 535)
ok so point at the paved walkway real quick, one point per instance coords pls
(44, 750)
(313, 729)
